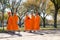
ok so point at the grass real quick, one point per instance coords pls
(41, 28)
(47, 28)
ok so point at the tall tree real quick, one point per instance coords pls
(13, 6)
(42, 9)
(32, 4)
(57, 6)
(3, 2)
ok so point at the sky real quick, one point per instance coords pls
(18, 1)
(7, 9)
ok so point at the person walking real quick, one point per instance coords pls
(36, 22)
(15, 24)
(10, 23)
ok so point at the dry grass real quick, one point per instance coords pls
(47, 28)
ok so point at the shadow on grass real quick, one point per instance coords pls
(43, 32)
(3, 31)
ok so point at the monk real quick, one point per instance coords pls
(10, 22)
(15, 24)
(32, 19)
(37, 22)
(27, 23)
(30, 23)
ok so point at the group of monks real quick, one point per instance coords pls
(12, 23)
(32, 23)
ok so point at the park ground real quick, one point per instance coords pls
(43, 34)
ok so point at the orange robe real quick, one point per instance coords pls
(37, 22)
(32, 19)
(10, 23)
(15, 23)
(27, 23)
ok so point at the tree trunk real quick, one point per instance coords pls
(3, 21)
(19, 22)
(55, 17)
(44, 22)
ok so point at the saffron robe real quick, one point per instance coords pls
(27, 23)
(37, 23)
(10, 23)
(15, 23)
(32, 23)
